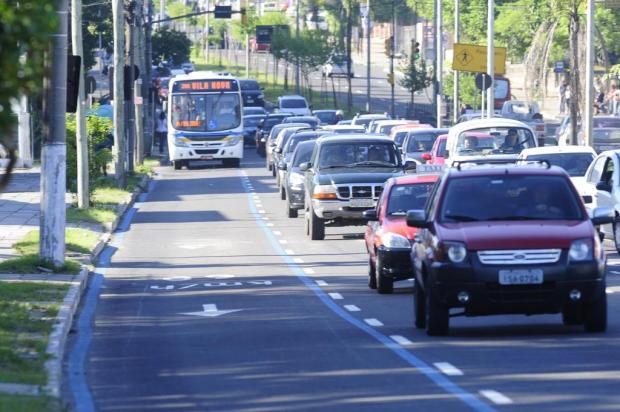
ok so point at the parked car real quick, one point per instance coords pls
(248, 110)
(264, 128)
(294, 179)
(296, 105)
(388, 238)
(345, 177)
(328, 116)
(250, 126)
(419, 142)
(270, 141)
(252, 93)
(510, 239)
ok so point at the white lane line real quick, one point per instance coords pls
(352, 308)
(265, 218)
(283, 241)
(309, 271)
(321, 283)
(373, 322)
(277, 233)
(289, 252)
(612, 289)
(261, 211)
(270, 224)
(496, 397)
(298, 260)
(448, 369)
(401, 340)
(615, 272)
(335, 296)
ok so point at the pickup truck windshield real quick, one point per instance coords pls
(509, 197)
(358, 154)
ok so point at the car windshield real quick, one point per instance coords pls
(251, 121)
(352, 154)
(293, 104)
(408, 197)
(310, 121)
(421, 142)
(399, 137)
(249, 85)
(284, 135)
(494, 140)
(326, 117)
(302, 154)
(272, 121)
(509, 197)
(206, 112)
(386, 129)
(575, 164)
(601, 122)
(606, 134)
(296, 139)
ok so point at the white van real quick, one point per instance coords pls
(294, 104)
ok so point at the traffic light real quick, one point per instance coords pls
(390, 78)
(244, 17)
(416, 50)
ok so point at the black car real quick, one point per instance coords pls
(250, 125)
(252, 93)
(313, 121)
(264, 127)
(345, 177)
(328, 116)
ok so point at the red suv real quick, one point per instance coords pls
(508, 239)
(388, 238)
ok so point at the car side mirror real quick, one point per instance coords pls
(604, 186)
(370, 215)
(305, 166)
(410, 166)
(602, 216)
(587, 199)
(417, 218)
(282, 165)
(446, 154)
(426, 156)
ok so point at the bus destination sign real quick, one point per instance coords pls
(219, 85)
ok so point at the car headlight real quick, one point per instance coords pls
(325, 192)
(580, 250)
(182, 142)
(455, 251)
(395, 241)
(231, 140)
(296, 181)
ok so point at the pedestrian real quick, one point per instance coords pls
(611, 105)
(562, 94)
(567, 98)
(161, 131)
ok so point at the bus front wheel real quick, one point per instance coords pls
(178, 164)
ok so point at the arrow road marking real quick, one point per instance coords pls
(210, 310)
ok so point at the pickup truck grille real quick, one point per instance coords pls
(519, 257)
(359, 191)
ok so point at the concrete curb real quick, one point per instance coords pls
(57, 339)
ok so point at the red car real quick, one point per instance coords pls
(437, 155)
(388, 238)
(508, 239)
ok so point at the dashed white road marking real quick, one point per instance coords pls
(289, 252)
(401, 340)
(283, 241)
(373, 322)
(309, 271)
(321, 283)
(612, 289)
(265, 218)
(496, 397)
(615, 272)
(277, 233)
(270, 224)
(298, 260)
(261, 211)
(352, 308)
(335, 296)
(448, 369)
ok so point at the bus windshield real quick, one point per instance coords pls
(206, 112)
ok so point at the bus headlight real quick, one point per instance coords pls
(181, 142)
(232, 140)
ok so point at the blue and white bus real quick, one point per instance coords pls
(205, 119)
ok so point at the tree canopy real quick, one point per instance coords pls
(171, 46)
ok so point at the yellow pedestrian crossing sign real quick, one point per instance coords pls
(473, 58)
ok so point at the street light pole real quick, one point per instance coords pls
(491, 57)
(439, 59)
(588, 107)
(297, 73)
(392, 51)
(368, 56)
(457, 38)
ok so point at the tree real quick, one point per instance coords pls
(25, 32)
(97, 21)
(312, 50)
(171, 45)
(416, 76)
(469, 94)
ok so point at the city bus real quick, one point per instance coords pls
(205, 119)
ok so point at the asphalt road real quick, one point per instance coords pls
(213, 300)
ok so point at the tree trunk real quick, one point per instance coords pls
(575, 88)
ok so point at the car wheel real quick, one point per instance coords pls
(316, 226)
(419, 305)
(177, 164)
(616, 228)
(282, 193)
(307, 222)
(385, 285)
(437, 316)
(274, 172)
(372, 274)
(572, 315)
(267, 164)
(595, 314)
(291, 212)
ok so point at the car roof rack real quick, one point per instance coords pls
(480, 162)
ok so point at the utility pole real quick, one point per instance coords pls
(81, 134)
(392, 51)
(54, 150)
(297, 72)
(589, 103)
(129, 102)
(137, 86)
(368, 71)
(439, 59)
(118, 16)
(207, 5)
(147, 88)
(457, 38)
(491, 57)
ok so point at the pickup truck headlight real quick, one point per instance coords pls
(324, 192)
(580, 250)
(296, 181)
(232, 140)
(182, 142)
(395, 241)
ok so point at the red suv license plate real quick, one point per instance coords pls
(521, 277)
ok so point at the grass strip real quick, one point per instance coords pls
(76, 240)
(95, 214)
(23, 403)
(33, 263)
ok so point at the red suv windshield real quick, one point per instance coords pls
(509, 197)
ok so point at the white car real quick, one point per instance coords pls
(294, 104)
(495, 139)
(574, 159)
(343, 129)
(337, 66)
(385, 126)
(603, 177)
(365, 119)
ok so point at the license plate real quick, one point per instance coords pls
(362, 203)
(521, 277)
(206, 157)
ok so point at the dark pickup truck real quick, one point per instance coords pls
(345, 177)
